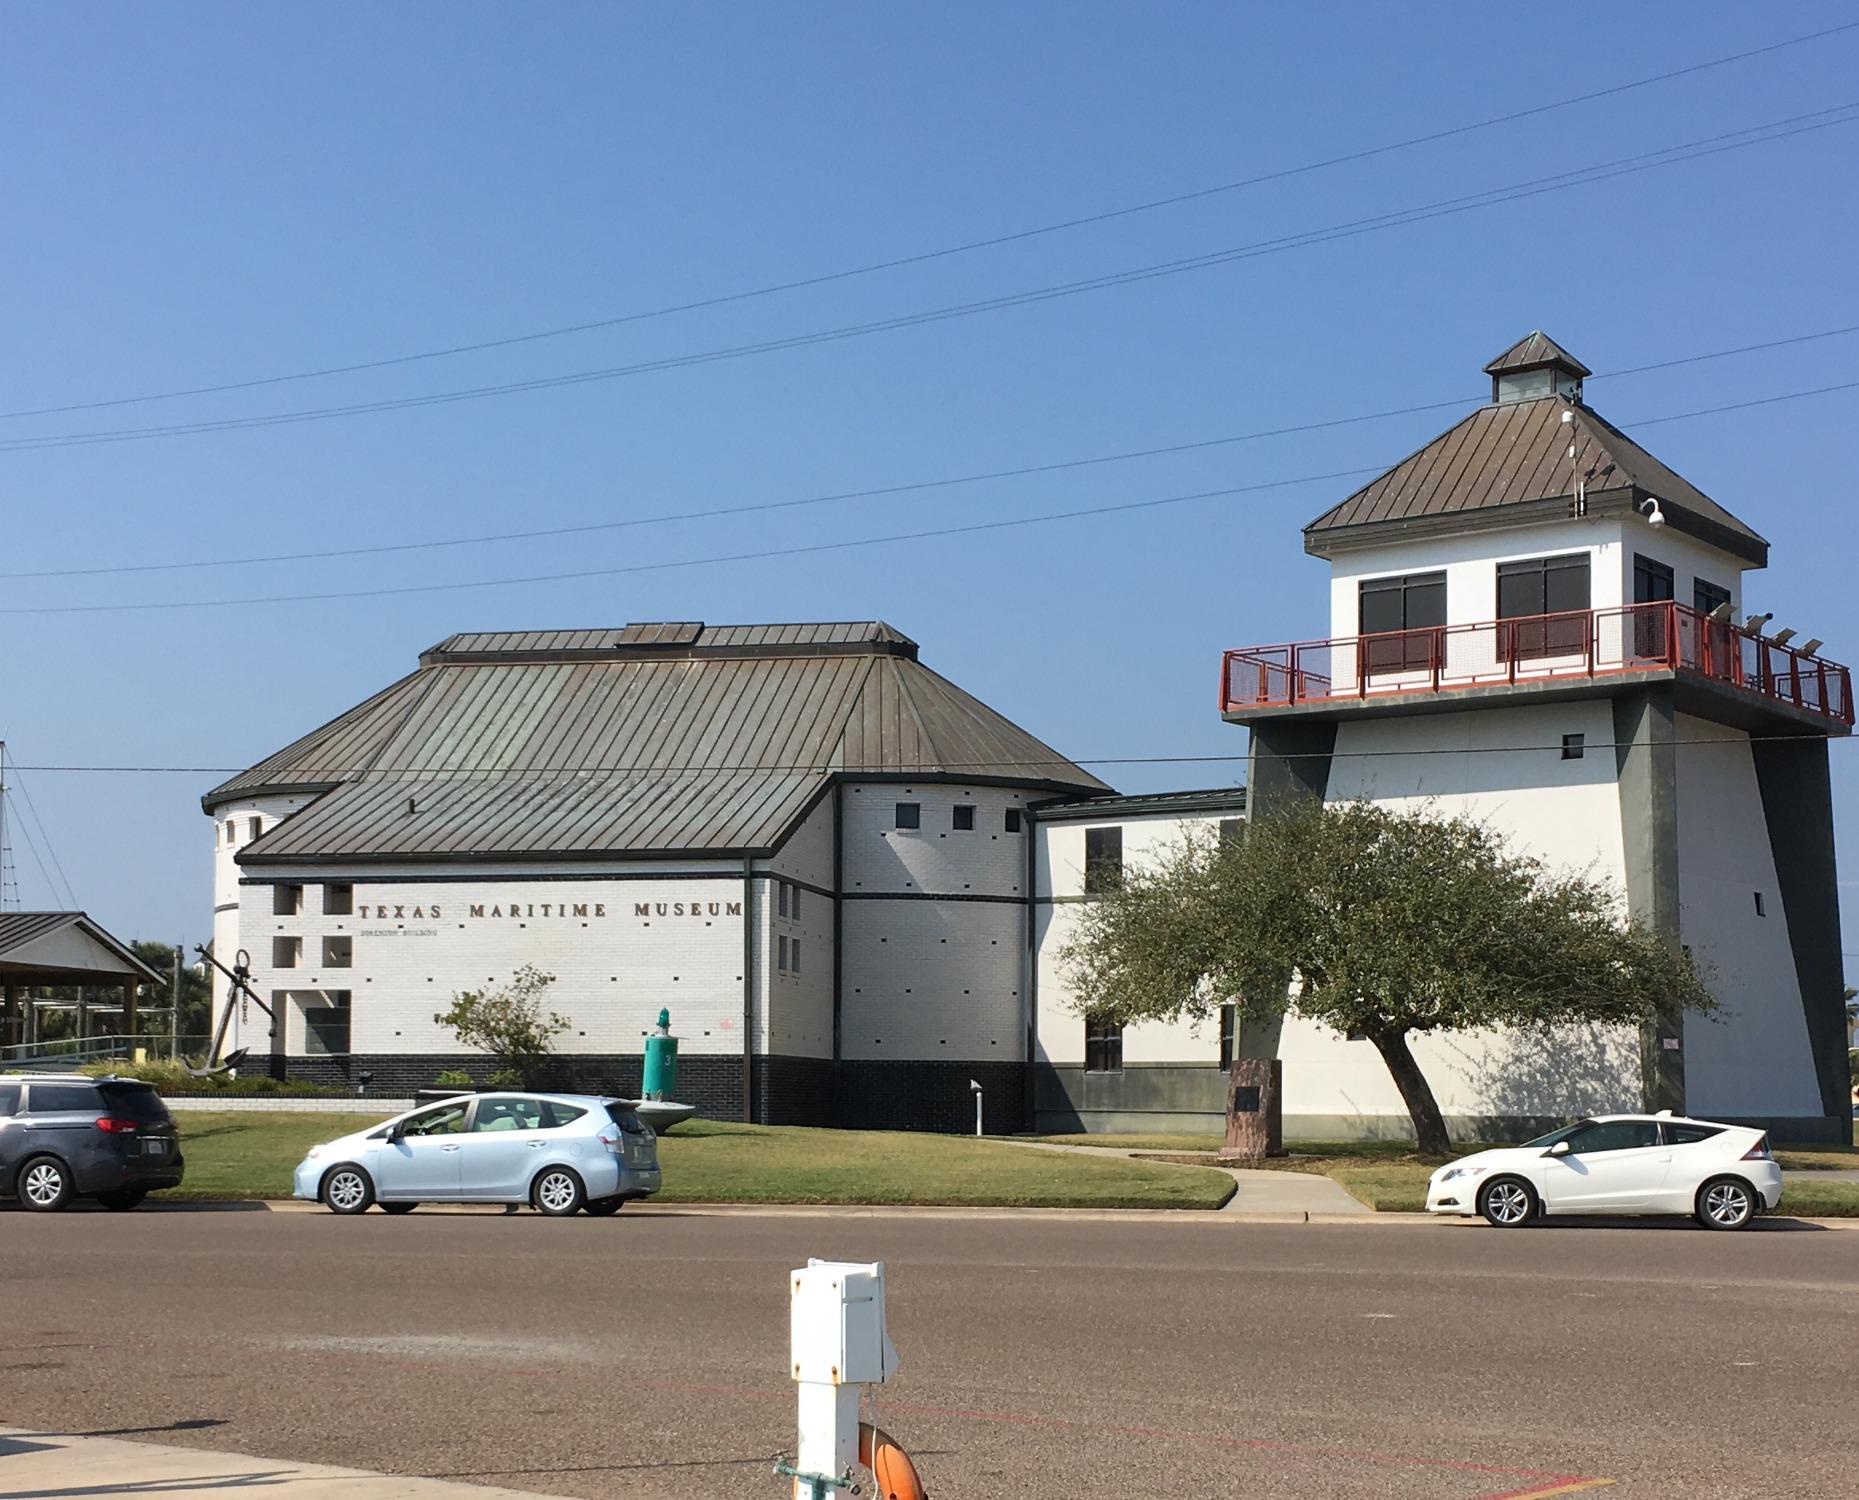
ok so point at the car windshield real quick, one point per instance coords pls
(1563, 1134)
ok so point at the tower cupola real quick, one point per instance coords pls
(1533, 367)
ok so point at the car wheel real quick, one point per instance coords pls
(398, 1208)
(1507, 1202)
(604, 1208)
(1726, 1203)
(557, 1192)
(44, 1184)
(347, 1189)
(122, 1200)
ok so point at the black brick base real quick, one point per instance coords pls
(784, 1090)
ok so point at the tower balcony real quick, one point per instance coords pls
(1536, 652)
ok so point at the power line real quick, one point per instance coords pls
(878, 492)
(1822, 119)
(966, 247)
(51, 848)
(765, 554)
(503, 772)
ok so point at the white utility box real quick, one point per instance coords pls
(838, 1335)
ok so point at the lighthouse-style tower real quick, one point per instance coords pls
(1536, 623)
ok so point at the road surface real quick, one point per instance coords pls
(643, 1357)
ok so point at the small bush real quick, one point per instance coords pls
(172, 1078)
(507, 1078)
(453, 1078)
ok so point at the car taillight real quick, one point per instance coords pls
(111, 1125)
(1759, 1151)
(610, 1140)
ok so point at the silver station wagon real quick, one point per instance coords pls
(560, 1153)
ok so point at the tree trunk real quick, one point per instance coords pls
(1416, 1093)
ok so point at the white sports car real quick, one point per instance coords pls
(1724, 1175)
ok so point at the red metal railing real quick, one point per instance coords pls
(1584, 643)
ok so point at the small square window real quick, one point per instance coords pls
(1013, 820)
(910, 815)
(232, 833)
(338, 900)
(1574, 746)
(1759, 909)
(1232, 830)
(964, 817)
(339, 952)
(286, 900)
(257, 827)
(285, 951)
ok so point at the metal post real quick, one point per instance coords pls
(174, 1007)
(976, 1089)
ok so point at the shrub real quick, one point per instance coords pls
(453, 1078)
(510, 1024)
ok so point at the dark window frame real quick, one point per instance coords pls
(1545, 621)
(908, 816)
(1103, 860)
(1103, 1045)
(1406, 603)
(1574, 746)
(339, 899)
(1011, 823)
(1707, 596)
(1229, 1037)
(962, 817)
(321, 1034)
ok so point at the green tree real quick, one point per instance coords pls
(196, 994)
(510, 1024)
(1376, 923)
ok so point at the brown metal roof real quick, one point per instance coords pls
(1517, 453)
(19, 930)
(715, 746)
(1535, 351)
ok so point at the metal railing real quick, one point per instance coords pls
(1664, 636)
(67, 1053)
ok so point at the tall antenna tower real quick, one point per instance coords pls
(9, 875)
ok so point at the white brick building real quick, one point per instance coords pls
(808, 845)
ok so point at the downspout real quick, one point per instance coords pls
(1029, 1104)
(748, 991)
(839, 927)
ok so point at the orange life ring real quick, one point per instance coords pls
(890, 1466)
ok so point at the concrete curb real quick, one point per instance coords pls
(1365, 1217)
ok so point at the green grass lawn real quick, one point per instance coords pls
(252, 1156)
(1389, 1176)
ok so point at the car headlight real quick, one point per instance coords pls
(313, 1153)
(1452, 1173)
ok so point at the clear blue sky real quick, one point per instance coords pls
(210, 193)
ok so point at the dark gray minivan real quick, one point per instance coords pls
(65, 1136)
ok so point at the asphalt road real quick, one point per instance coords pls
(643, 1357)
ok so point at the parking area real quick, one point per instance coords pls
(643, 1356)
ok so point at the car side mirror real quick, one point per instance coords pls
(1561, 1148)
(396, 1132)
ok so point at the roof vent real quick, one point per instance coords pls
(1533, 367)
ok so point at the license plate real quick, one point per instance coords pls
(154, 1148)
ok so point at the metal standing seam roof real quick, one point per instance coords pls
(1535, 351)
(538, 743)
(19, 929)
(1517, 452)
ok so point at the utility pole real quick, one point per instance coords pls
(9, 877)
(174, 1009)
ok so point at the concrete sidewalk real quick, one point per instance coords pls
(1259, 1192)
(52, 1466)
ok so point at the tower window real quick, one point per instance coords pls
(964, 815)
(1408, 602)
(1759, 911)
(257, 827)
(1013, 820)
(781, 897)
(781, 954)
(1574, 746)
(1543, 586)
(910, 815)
